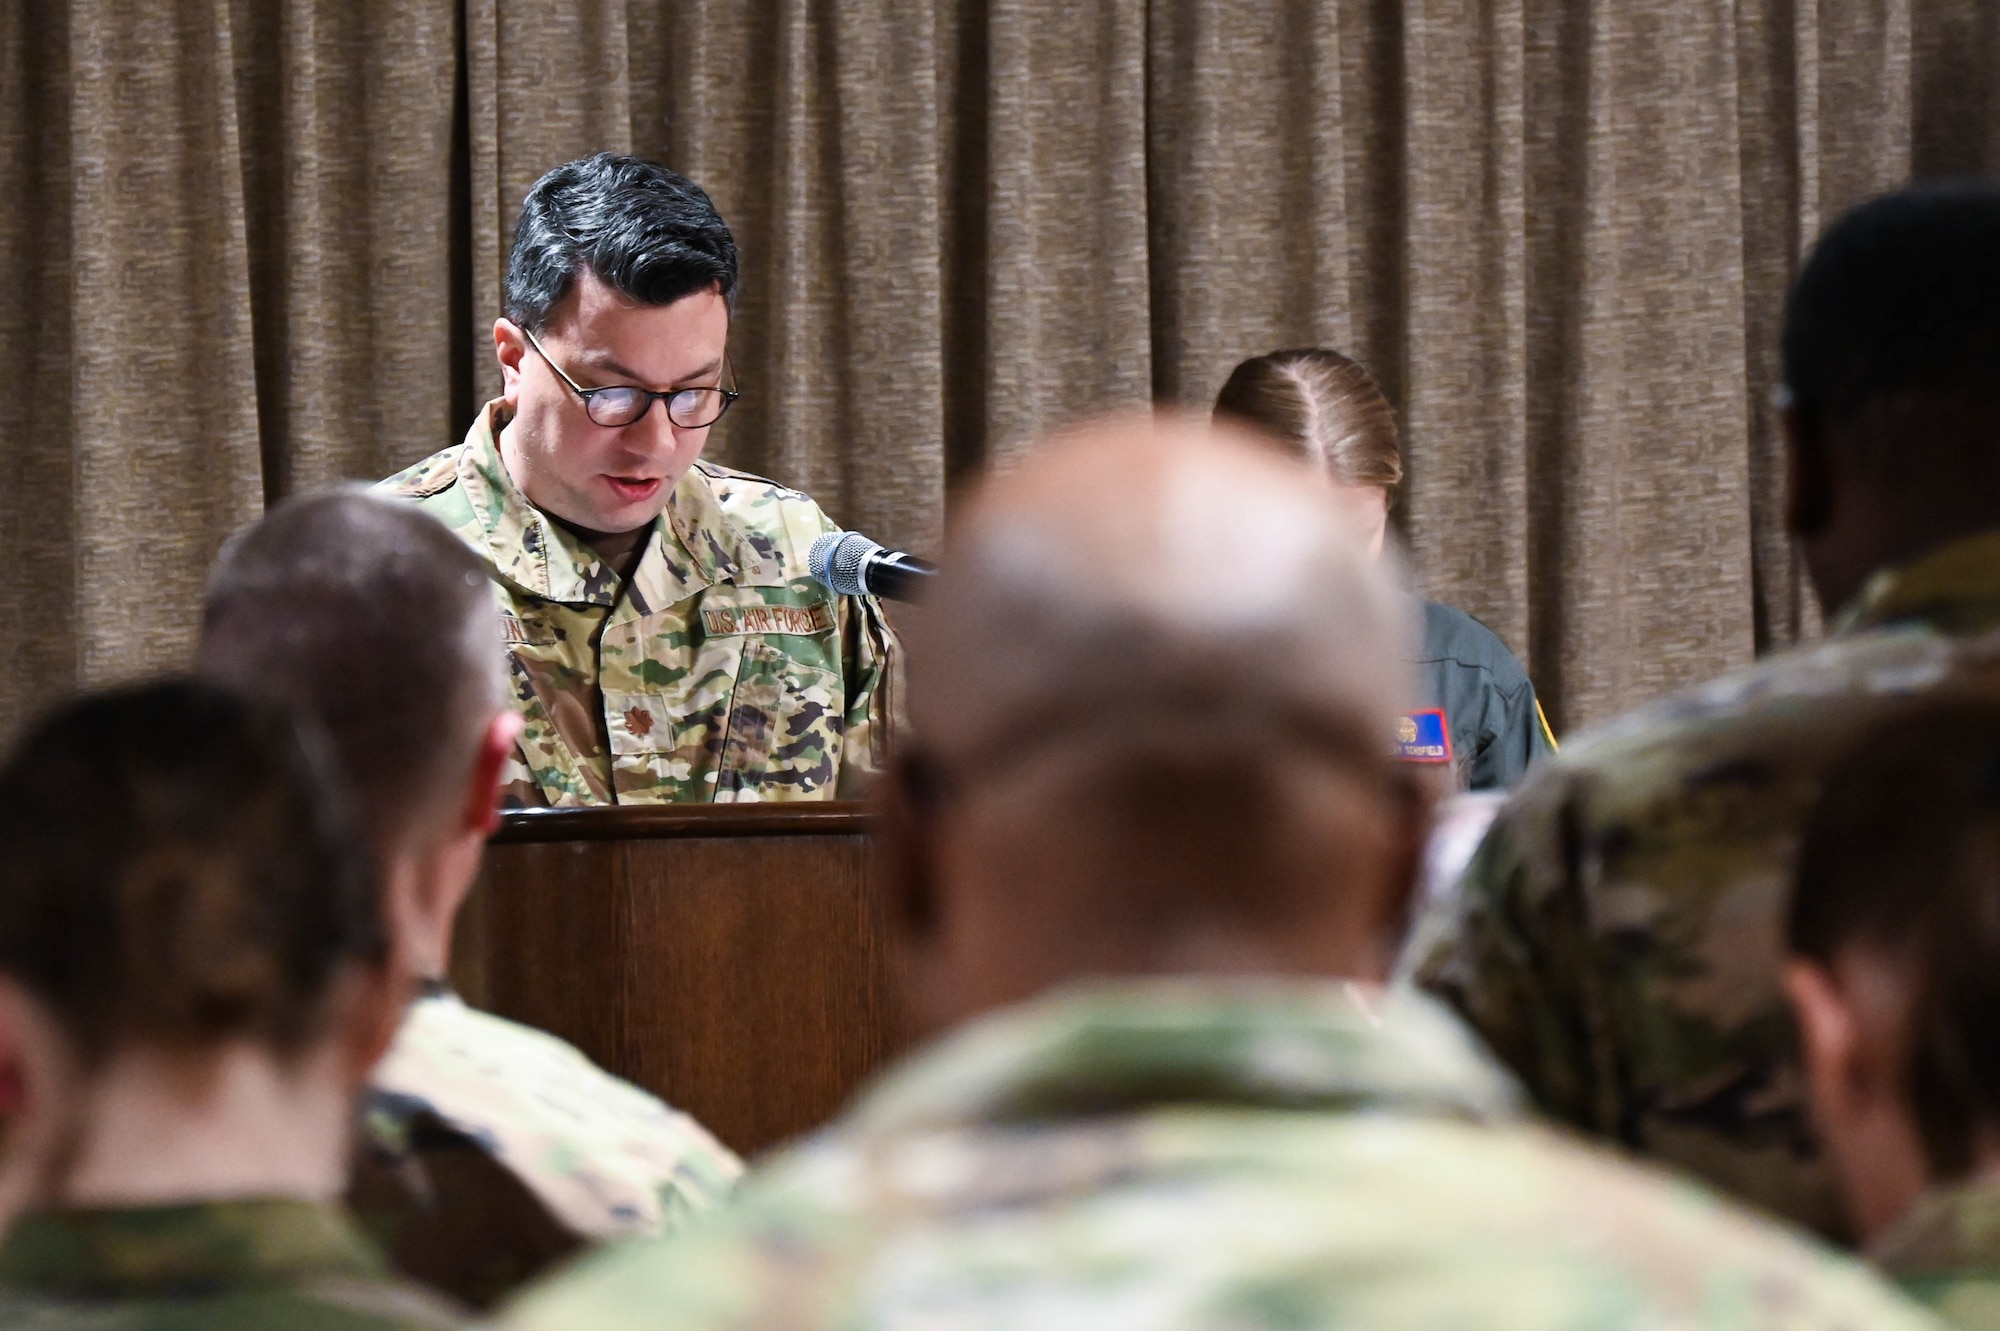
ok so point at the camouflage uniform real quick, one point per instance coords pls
(599, 1157)
(720, 671)
(1617, 938)
(1186, 1153)
(1946, 1252)
(255, 1265)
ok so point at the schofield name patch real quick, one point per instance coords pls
(726, 620)
(1423, 737)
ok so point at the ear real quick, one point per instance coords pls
(379, 999)
(510, 347)
(904, 858)
(907, 872)
(427, 886)
(1412, 809)
(1808, 474)
(1829, 1042)
(40, 1118)
(481, 811)
(1379, 535)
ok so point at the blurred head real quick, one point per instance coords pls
(1327, 409)
(1892, 376)
(1154, 689)
(183, 884)
(622, 274)
(365, 614)
(1894, 936)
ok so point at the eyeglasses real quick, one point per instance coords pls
(622, 404)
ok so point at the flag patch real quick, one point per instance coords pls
(1423, 737)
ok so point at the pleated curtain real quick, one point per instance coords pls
(253, 247)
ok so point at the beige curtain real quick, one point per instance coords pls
(252, 245)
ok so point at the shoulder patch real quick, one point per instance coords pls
(435, 474)
(729, 476)
(1423, 737)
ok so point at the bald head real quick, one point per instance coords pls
(1153, 693)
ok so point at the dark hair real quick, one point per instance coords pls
(1901, 860)
(1326, 406)
(365, 613)
(1900, 295)
(648, 233)
(180, 870)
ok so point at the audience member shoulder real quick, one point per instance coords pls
(1196, 1219)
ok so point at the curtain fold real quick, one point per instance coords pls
(248, 248)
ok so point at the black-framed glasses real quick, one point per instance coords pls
(622, 404)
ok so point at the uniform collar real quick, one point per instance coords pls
(693, 543)
(1955, 587)
(188, 1249)
(1127, 1046)
(1953, 1230)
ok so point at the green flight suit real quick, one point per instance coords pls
(1489, 706)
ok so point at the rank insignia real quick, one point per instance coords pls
(1423, 737)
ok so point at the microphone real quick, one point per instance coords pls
(852, 565)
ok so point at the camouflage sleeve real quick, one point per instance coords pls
(872, 665)
(1510, 954)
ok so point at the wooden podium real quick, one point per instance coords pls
(728, 958)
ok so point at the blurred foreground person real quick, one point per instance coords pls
(494, 1148)
(1149, 864)
(1895, 980)
(1478, 713)
(194, 981)
(1618, 938)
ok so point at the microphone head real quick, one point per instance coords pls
(837, 559)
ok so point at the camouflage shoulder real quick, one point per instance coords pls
(435, 474)
(805, 1202)
(433, 485)
(603, 1156)
(386, 1303)
(770, 514)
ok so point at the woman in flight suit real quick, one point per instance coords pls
(1480, 713)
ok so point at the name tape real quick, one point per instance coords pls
(729, 620)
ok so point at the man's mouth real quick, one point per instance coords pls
(632, 489)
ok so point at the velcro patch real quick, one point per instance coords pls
(515, 633)
(1423, 737)
(733, 620)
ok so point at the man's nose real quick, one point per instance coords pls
(653, 431)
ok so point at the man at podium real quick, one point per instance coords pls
(666, 641)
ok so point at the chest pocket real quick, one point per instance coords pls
(752, 711)
(782, 737)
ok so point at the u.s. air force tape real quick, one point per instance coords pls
(1423, 737)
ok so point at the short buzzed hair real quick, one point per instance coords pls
(1900, 296)
(1172, 624)
(366, 614)
(1901, 861)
